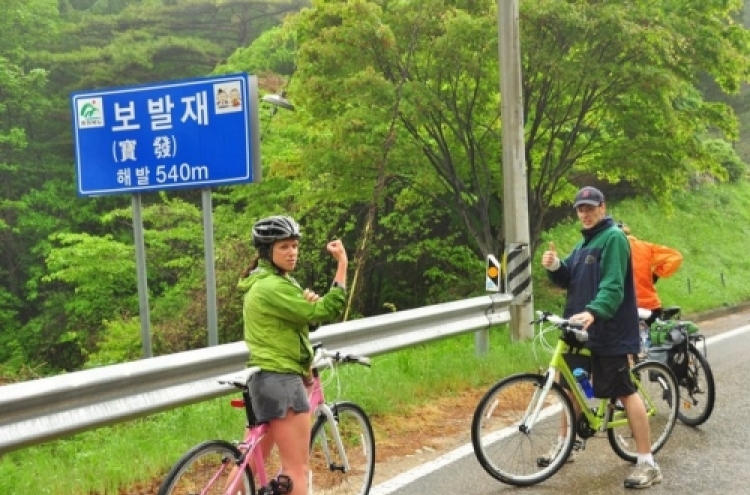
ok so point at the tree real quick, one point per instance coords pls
(25, 25)
(608, 92)
(50, 48)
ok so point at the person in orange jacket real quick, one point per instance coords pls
(650, 263)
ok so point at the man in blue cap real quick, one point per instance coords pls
(598, 277)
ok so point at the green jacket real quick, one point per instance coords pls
(277, 319)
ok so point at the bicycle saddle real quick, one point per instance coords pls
(240, 380)
(670, 312)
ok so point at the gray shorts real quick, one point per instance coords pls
(273, 394)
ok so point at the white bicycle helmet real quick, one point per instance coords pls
(269, 230)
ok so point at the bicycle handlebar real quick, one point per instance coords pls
(324, 357)
(563, 324)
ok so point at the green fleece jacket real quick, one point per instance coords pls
(277, 319)
(598, 276)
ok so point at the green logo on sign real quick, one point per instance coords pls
(88, 111)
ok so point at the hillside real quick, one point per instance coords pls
(709, 225)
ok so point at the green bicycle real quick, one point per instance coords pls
(520, 417)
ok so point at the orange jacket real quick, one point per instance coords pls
(649, 260)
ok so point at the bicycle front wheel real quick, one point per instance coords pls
(658, 390)
(207, 469)
(348, 468)
(516, 427)
(697, 390)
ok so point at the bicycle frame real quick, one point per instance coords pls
(597, 417)
(253, 457)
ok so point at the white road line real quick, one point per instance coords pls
(407, 477)
(728, 335)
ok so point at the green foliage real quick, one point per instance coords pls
(10, 325)
(272, 52)
(362, 65)
(121, 341)
(26, 25)
(93, 265)
(393, 148)
(374, 79)
(726, 156)
(634, 113)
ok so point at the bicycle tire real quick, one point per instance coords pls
(697, 390)
(327, 473)
(658, 382)
(206, 469)
(504, 448)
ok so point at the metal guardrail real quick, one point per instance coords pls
(50, 408)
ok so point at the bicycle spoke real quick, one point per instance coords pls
(512, 450)
(658, 391)
(207, 469)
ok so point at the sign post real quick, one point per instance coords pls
(196, 133)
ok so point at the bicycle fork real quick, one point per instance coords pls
(332, 420)
(531, 415)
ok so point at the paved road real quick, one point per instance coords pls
(711, 459)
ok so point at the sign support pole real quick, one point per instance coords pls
(140, 257)
(208, 241)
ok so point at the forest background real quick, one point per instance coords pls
(394, 147)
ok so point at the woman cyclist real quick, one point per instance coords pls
(277, 315)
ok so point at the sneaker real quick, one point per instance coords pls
(643, 476)
(547, 458)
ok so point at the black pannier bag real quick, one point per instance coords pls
(669, 345)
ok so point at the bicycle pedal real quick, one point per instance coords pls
(282, 485)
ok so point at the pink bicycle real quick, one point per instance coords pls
(342, 448)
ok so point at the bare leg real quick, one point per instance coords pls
(638, 420)
(266, 444)
(292, 436)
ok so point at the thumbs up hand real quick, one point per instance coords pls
(550, 261)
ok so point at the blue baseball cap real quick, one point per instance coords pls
(589, 196)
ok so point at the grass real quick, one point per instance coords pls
(710, 226)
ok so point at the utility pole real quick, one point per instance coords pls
(515, 188)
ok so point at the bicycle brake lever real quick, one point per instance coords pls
(579, 334)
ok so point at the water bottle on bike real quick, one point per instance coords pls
(582, 377)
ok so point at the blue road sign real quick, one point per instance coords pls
(181, 134)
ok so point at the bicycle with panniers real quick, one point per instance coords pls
(679, 344)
